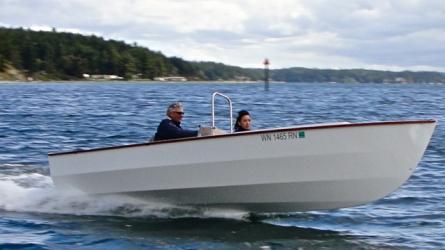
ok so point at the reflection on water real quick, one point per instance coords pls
(180, 233)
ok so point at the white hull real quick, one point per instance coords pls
(298, 169)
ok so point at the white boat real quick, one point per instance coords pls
(300, 168)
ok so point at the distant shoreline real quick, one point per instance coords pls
(37, 56)
(4, 82)
(134, 81)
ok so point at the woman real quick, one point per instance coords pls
(242, 121)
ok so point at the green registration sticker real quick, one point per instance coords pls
(301, 134)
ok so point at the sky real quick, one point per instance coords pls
(372, 34)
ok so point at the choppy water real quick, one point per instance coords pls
(48, 117)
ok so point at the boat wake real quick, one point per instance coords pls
(35, 192)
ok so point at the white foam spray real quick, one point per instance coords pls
(35, 192)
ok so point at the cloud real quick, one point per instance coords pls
(382, 34)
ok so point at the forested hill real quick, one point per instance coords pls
(54, 55)
(44, 55)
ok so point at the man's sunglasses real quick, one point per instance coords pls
(179, 113)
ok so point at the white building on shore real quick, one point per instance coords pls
(170, 79)
(102, 77)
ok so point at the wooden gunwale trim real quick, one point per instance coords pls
(309, 127)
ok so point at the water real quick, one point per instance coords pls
(48, 117)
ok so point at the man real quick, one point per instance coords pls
(171, 128)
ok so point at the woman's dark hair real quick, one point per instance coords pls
(241, 113)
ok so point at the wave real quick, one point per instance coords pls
(35, 192)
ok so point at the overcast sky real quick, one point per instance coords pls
(372, 34)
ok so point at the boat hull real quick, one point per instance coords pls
(292, 169)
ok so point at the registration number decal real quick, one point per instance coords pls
(283, 136)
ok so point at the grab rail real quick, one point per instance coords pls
(213, 109)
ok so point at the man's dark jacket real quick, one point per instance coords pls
(169, 129)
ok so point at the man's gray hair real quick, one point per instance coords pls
(173, 106)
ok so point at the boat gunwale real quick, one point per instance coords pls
(254, 132)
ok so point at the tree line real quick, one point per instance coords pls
(69, 56)
(356, 76)
(52, 55)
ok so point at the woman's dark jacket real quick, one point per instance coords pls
(240, 129)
